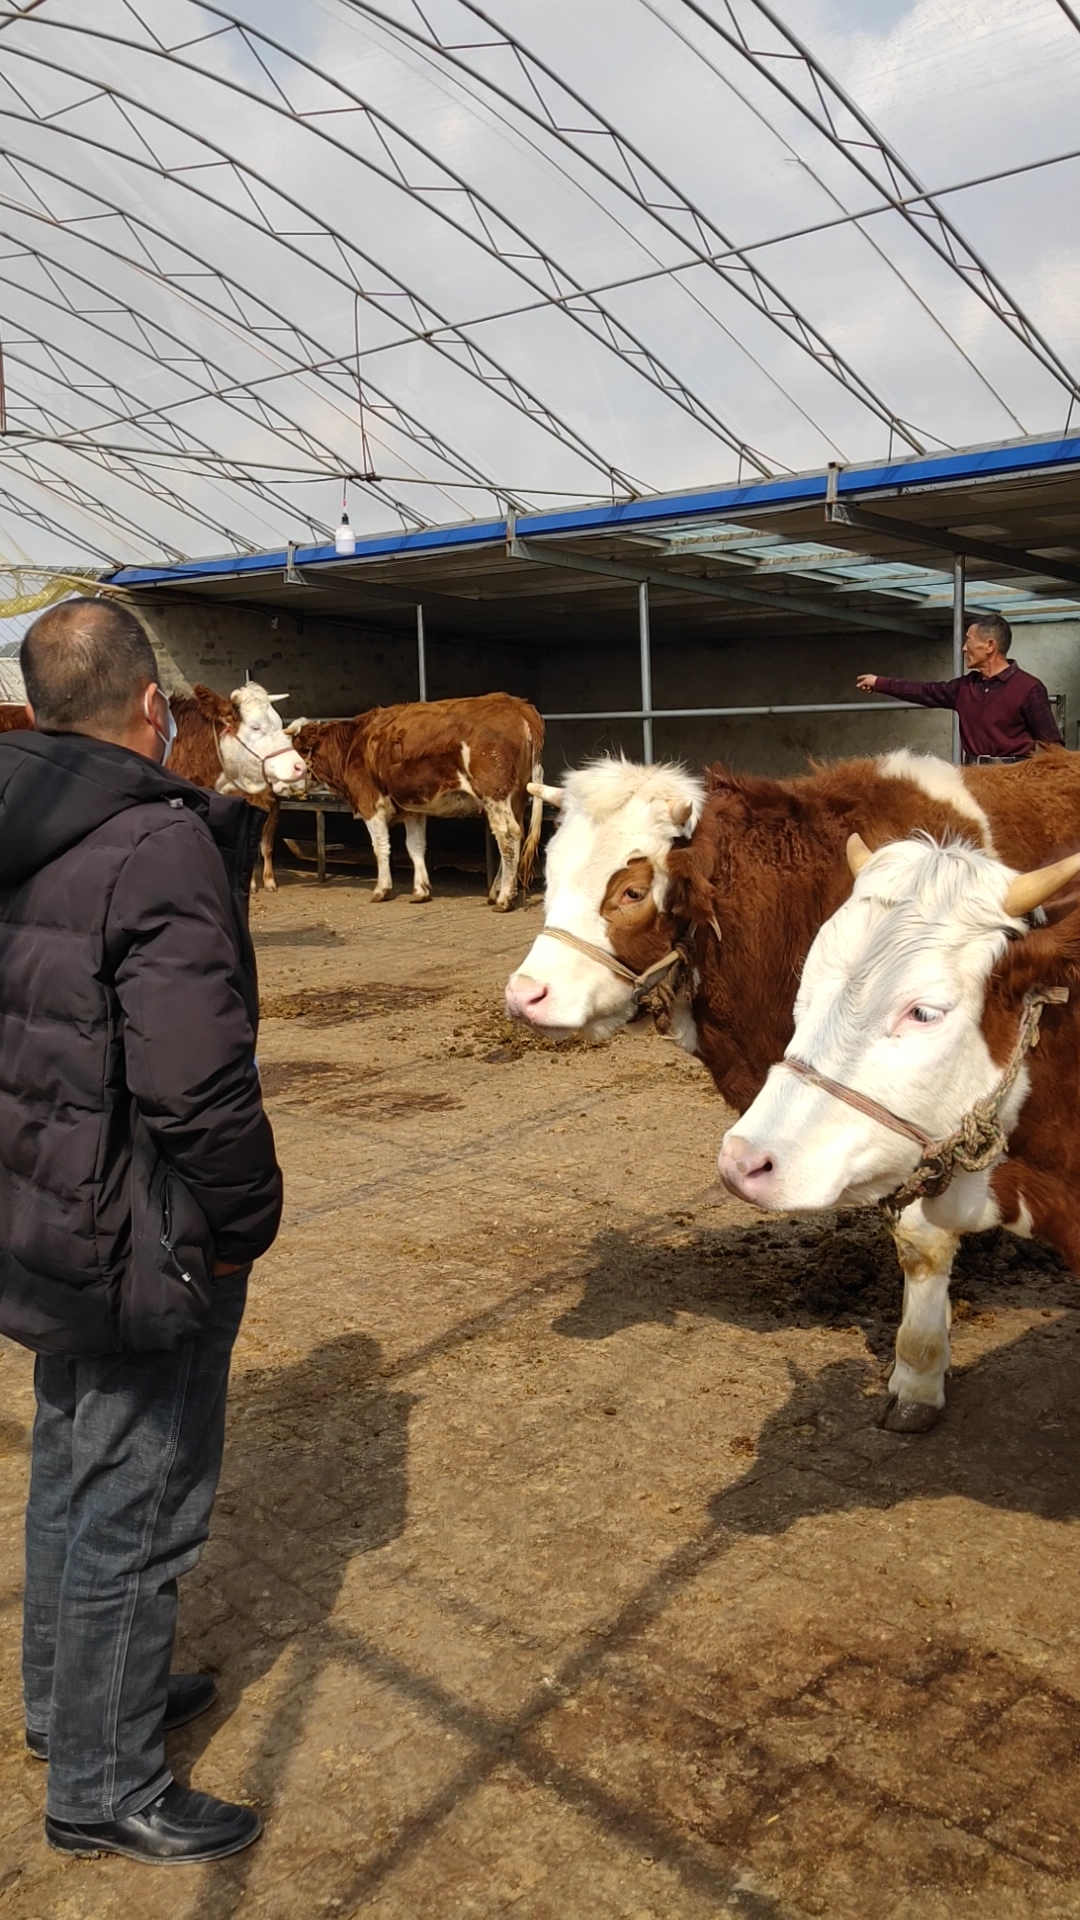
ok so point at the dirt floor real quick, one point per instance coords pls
(560, 1568)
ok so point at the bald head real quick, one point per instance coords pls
(87, 665)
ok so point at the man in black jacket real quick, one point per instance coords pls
(138, 1182)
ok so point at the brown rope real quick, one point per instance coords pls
(655, 995)
(980, 1138)
(862, 1103)
(642, 983)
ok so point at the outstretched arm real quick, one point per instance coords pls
(924, 693)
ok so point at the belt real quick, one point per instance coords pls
(993, 759)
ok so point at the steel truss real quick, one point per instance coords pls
(842, 122)
(650, 189)
(431, 327)
(104, 445)
(233, 309)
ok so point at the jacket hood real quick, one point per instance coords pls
(55, 788)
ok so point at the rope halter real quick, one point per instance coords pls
(659, 975)
(976, 1142)
(264, 759)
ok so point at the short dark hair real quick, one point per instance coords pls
(85, 663)
(993, 626)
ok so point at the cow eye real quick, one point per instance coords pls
(634, 893)
(927, 1016)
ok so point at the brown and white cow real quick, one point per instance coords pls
(443, 758)
(239, 746)
(910, 1020)
(764, 867)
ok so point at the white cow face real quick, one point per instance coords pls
(891, 1006)
(607, 883)
(259, 753)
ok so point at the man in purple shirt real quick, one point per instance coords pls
(1004, 713)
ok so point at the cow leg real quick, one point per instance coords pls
(917, 1382)
(507, 834)
(416, 841)
(379, 828)
(266, 845)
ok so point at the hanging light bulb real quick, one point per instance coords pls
(344, 538)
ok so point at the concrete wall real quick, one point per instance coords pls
(1052, 650)
(332, 667)
(326, 667)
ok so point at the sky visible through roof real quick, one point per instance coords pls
(533, 252)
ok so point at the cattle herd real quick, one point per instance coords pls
(878, 962)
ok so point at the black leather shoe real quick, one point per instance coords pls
(189, 1695)
(180, 1826)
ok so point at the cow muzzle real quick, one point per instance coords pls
(747, 1171)
(526, 998)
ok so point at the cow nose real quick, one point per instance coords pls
(746, 1171)
(524, 996)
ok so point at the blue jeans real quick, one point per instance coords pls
(126, 1457)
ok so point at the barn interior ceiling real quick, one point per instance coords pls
(446, 261)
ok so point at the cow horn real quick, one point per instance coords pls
(680, 812)
(1029, 890)
(858, 853)
(553, 795)
(277, 696)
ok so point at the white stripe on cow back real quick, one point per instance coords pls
(942, 782)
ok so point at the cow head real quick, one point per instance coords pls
(256, 752)
(607, 883)
(910, 997)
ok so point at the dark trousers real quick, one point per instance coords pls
(126, 1457)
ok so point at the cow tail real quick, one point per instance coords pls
(531, 843)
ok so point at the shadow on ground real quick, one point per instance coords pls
(779, 1758)
(315, 1475)
(821, 1271)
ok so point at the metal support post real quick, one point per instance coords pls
(421, 656)
(320, 843)
(957, 640)
(646, 673)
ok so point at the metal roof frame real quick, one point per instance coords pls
(920, 489)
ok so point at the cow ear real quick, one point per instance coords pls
(858, 853)
(553, 795)
(235, 695)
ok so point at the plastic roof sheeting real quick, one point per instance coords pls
(451, 260)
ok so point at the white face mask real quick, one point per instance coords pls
(165, 738)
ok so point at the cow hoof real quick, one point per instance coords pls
(269, 886)
(502, 906)
(909, 1416)
(381, 893)
(419, 899)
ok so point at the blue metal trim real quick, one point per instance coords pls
(798, 490)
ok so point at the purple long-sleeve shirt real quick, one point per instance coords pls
(1007, 714)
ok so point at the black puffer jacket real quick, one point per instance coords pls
(134, 1150)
